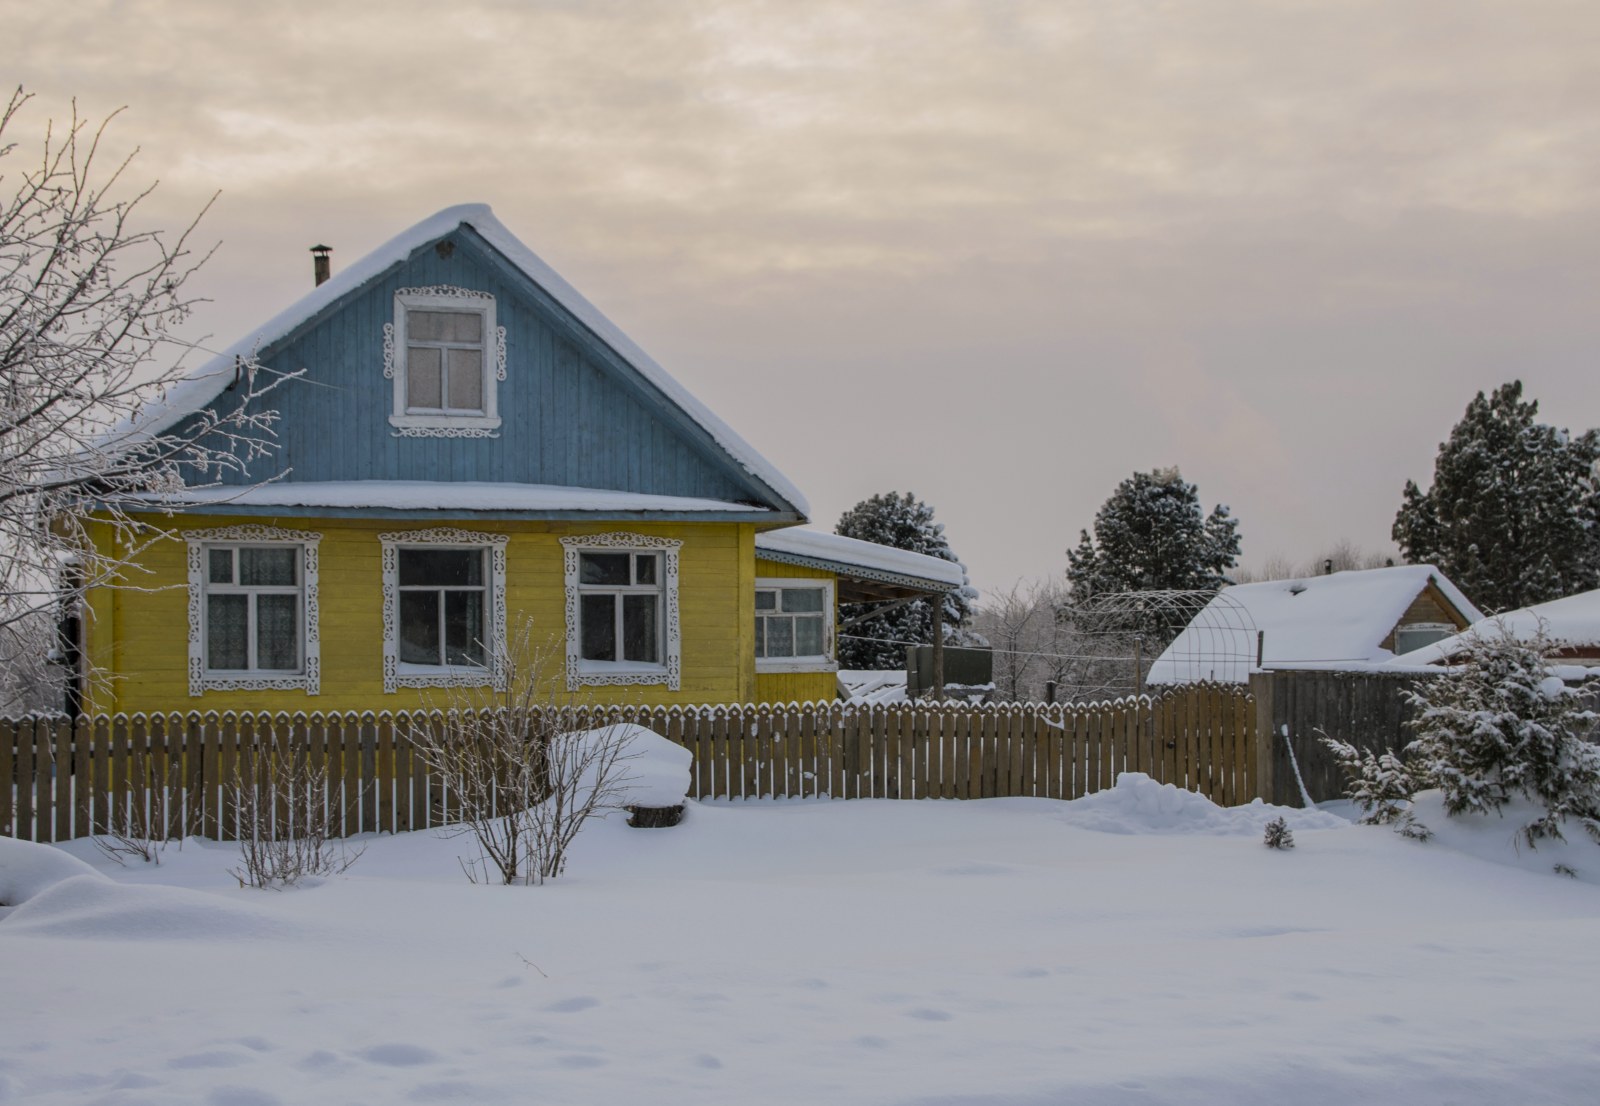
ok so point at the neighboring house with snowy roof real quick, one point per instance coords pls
(471, 444)
(1571, 624)
(1345, 620)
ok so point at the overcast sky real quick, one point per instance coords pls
(998, 254)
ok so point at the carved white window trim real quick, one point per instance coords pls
(825, 662)
(494, 674)
(445, 297)
(309, 679)
(670, 672)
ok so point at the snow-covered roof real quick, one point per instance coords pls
(836, 552)
(431, 495)
(1334, 621)
(208, 380)
(1573, 621)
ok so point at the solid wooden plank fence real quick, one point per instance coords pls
(63, 778)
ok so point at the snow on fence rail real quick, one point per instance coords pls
(62, 778)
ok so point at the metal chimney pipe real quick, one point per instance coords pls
(320, 264)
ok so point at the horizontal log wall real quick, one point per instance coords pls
(65, 778)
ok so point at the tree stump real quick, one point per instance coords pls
(654, 817)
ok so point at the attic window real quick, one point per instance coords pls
(446, 356)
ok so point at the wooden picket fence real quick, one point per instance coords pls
(64, 778)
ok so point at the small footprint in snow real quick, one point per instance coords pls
(706, 1060)
(927, 1014)
(398, 1056)
(452, 1090)
(573, 1005)
(321, 1060)
(869, 1041)
(208, 1060)
(241, 1096)
(579, 1061)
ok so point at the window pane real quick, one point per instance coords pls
(441, 567)
(419, 627)
(766, 600)
(640, 641)
(780, 637)
(221, 566)
(464, 326)
(226, 628)
(644, 568)
(278, 632)
(465, 379)
(463, 627)
(808, 637)
(603, 568)
(272, 567)
(761, 637)
(444, 326)
(598, 630)
(803, 600)
(422, 379)
(426, 326)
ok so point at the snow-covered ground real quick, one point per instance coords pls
(1138, 946)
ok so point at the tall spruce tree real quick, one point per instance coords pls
(1513, 516)
(1152, 534)
(904, 522)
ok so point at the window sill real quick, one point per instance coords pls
(796, 664)
(621, 672)
(255, 681)
(445, 426)
(440, 675)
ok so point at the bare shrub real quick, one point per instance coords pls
(285, 824)
(522, 776)
(141, 822)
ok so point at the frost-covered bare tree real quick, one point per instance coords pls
(1029, 640)
(91, 301)
(522, 776)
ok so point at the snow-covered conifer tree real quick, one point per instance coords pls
(1513, 516)
(1505, 727)
(1152, 534)
(903, 521)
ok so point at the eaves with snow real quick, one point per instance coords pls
(879, 569)
(1345, 620)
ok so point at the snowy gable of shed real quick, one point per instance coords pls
(1571, 624)
(1346, 620)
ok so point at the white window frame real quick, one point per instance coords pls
(581, 673)
(202, 679)
(445, 424)
(1443, 629)
(826, 660)
(494, 672)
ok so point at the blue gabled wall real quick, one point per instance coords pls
(572, 413)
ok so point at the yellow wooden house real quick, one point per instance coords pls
(471, 447)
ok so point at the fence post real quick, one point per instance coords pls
(8, 754)
(1265, 784)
